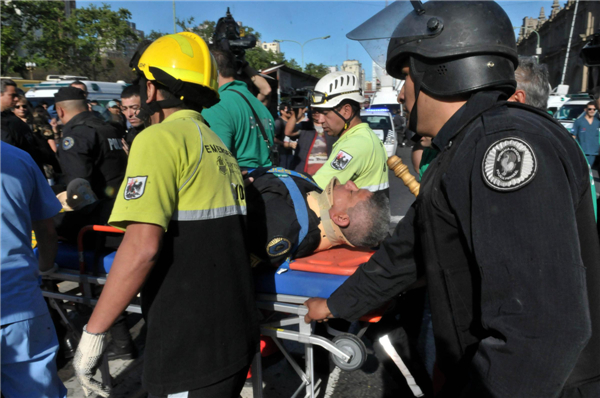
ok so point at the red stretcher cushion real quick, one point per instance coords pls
(340, 260)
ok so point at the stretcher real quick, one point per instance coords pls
(286, 290)
(281, 293)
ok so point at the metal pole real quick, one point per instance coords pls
(562, 80)
(174, 19)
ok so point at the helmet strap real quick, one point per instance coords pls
(417, 78)
(148, 109)
(346, 121)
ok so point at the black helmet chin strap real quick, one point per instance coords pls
(346, 121)
(417, 78)
(148, 109)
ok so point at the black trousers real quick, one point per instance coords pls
(226, 388)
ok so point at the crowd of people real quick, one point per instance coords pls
(209, 187)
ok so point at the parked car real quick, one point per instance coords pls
(571, 110)
(382, 124)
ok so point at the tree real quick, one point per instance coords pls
(153, 35)
(99, 31)
(77, 44)
(21, 23)
(259, 58)
(293, 64)
(317, 71)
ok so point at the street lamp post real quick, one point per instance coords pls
(538, 49)
(30, 67)
(302, 44)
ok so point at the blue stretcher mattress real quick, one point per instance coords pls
(295, 283)
(299, 283)
(68, 257)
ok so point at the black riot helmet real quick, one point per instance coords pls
(453, 47)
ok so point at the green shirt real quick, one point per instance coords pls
(233, 121)
(358, 155)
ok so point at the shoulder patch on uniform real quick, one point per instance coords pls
(278, 246)
(68, 143)
(341, 160)
(135, 187)
(509, 164)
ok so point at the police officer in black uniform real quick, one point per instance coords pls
(90, 148)
(504, 222)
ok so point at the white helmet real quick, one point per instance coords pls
(334, 88)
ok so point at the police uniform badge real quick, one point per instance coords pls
(135, 187)
(509, 164)
(341, 160)
(278, 246)
(68, 143)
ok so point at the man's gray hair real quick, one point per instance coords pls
(6, 83)
(532, 78)
(369, 221)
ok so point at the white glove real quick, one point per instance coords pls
(87, 359)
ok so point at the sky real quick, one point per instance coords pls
(292, 20)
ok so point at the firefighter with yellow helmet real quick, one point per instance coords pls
(182, 208)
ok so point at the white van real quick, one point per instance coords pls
(387, 98)
(100, 91)
(381, 122)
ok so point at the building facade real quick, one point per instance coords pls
(355, 67)
(273, 47)
(564, 63)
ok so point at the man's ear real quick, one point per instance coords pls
(519, 96)
(340, 219)
(60, 112)
(151, 91)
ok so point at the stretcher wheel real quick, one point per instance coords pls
(353, 346)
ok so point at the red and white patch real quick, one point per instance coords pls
(135, 187)
(341, 161)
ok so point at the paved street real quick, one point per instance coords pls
(279, 379)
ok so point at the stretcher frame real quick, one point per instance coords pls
(277, 303)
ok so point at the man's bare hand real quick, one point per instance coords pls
(125, 146)
(247, 180)
(317, 310)
(300, 114)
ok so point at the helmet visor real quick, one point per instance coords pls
(398, 20)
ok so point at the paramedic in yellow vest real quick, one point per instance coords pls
(182, 207)
(358, 155)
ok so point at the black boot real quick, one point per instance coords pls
(124, 352)
(121, 346)
(68, 345)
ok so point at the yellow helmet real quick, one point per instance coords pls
(183, 56)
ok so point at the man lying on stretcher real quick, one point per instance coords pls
(339, 214)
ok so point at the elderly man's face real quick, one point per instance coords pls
(348, 195)
(8, 98)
